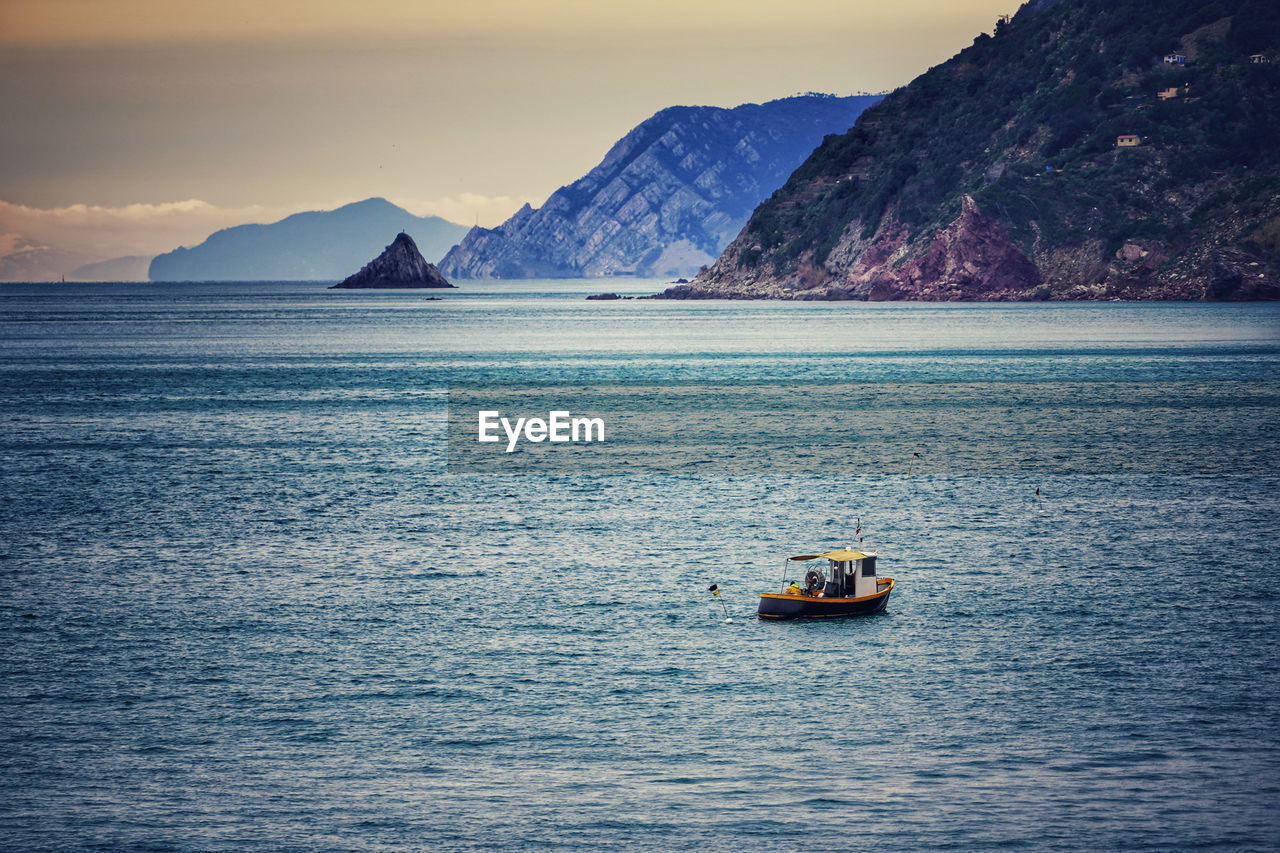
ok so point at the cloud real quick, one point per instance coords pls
(25, 261)
(132, 229)
(48, 242)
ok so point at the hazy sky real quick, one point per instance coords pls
(129, 126)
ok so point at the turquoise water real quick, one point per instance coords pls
(245, 606)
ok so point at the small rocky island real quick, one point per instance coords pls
(399, 265)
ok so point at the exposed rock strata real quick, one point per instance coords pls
(973, 258)
(665, 200)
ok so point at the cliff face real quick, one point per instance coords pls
(972, 258)
(399, 265)
(999, 174)
(666, 199)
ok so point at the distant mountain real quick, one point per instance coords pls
(1089, 149)
(127, 268)
(666, 199)
(316, 246)
(31, 261)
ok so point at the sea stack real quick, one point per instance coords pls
(399, 265)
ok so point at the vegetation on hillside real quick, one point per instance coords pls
(1026, 122)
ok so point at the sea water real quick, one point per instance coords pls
(246, 605)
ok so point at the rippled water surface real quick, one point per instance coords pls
(245, 606)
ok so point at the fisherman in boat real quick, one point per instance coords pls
(794, 589)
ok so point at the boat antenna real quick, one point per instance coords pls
(715, 592)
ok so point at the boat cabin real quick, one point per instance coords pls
(849, 574)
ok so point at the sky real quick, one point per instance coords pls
(129, 127)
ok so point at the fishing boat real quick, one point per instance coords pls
(849, 587)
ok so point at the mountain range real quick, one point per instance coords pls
(666, 198)
(313, 246)
(1087, 149)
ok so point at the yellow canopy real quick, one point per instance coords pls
(844, 555)
(831, 555)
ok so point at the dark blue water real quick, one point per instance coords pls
(243, 605)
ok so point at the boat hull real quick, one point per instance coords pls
(782, 606)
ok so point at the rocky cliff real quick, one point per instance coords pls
(666, 199)
(399, 265)
(1061, 158)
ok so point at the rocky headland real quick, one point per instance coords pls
(1085, 150)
